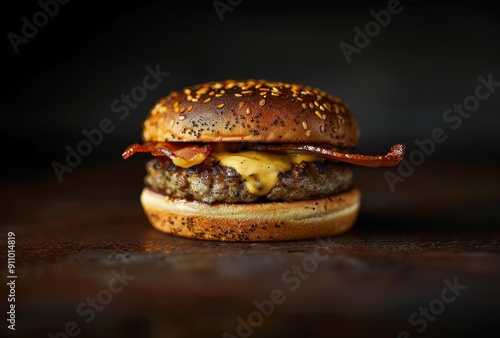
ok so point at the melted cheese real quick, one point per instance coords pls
(189, 162)
(259, 170)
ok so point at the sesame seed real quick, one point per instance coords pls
(190, 107)
(217, 85)
(248, 85)
(171, 123)
(262, 102)
(258, 85)
(298, 98)
(207, 100)
(304, 125)
(219, 94)
(194, 99)
(181, 117)
(241, 104)
(304, 105)
(246, 92)
(322, 108)
(327, 106)
(211, 93)
(308, 133)
(263, 93)
(187, 91)
(311, 105)
(248, 111)
(182, 110)
(316, 103)
(323, 116)
(318, 114)
(342, 110)
(336, 109)
(275, 94)
(322, 128)
(220, 105)
(265, 89)
(238, 95)
(176, 109)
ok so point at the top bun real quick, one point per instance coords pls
(251, 111)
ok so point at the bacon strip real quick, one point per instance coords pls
(392, 158)
(184, 155)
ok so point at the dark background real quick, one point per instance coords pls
(440, 223)
(399, 86)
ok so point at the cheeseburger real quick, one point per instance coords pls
(252, 161)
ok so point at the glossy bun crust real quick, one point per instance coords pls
(254, 222)
(251, 111)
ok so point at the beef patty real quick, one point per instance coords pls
(212, 182)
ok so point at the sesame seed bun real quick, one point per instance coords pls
(251, 111)
(272, 221)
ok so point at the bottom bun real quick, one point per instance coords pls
(255, 222)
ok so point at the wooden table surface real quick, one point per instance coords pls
(422, 261)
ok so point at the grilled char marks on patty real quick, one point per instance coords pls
(211, 182)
